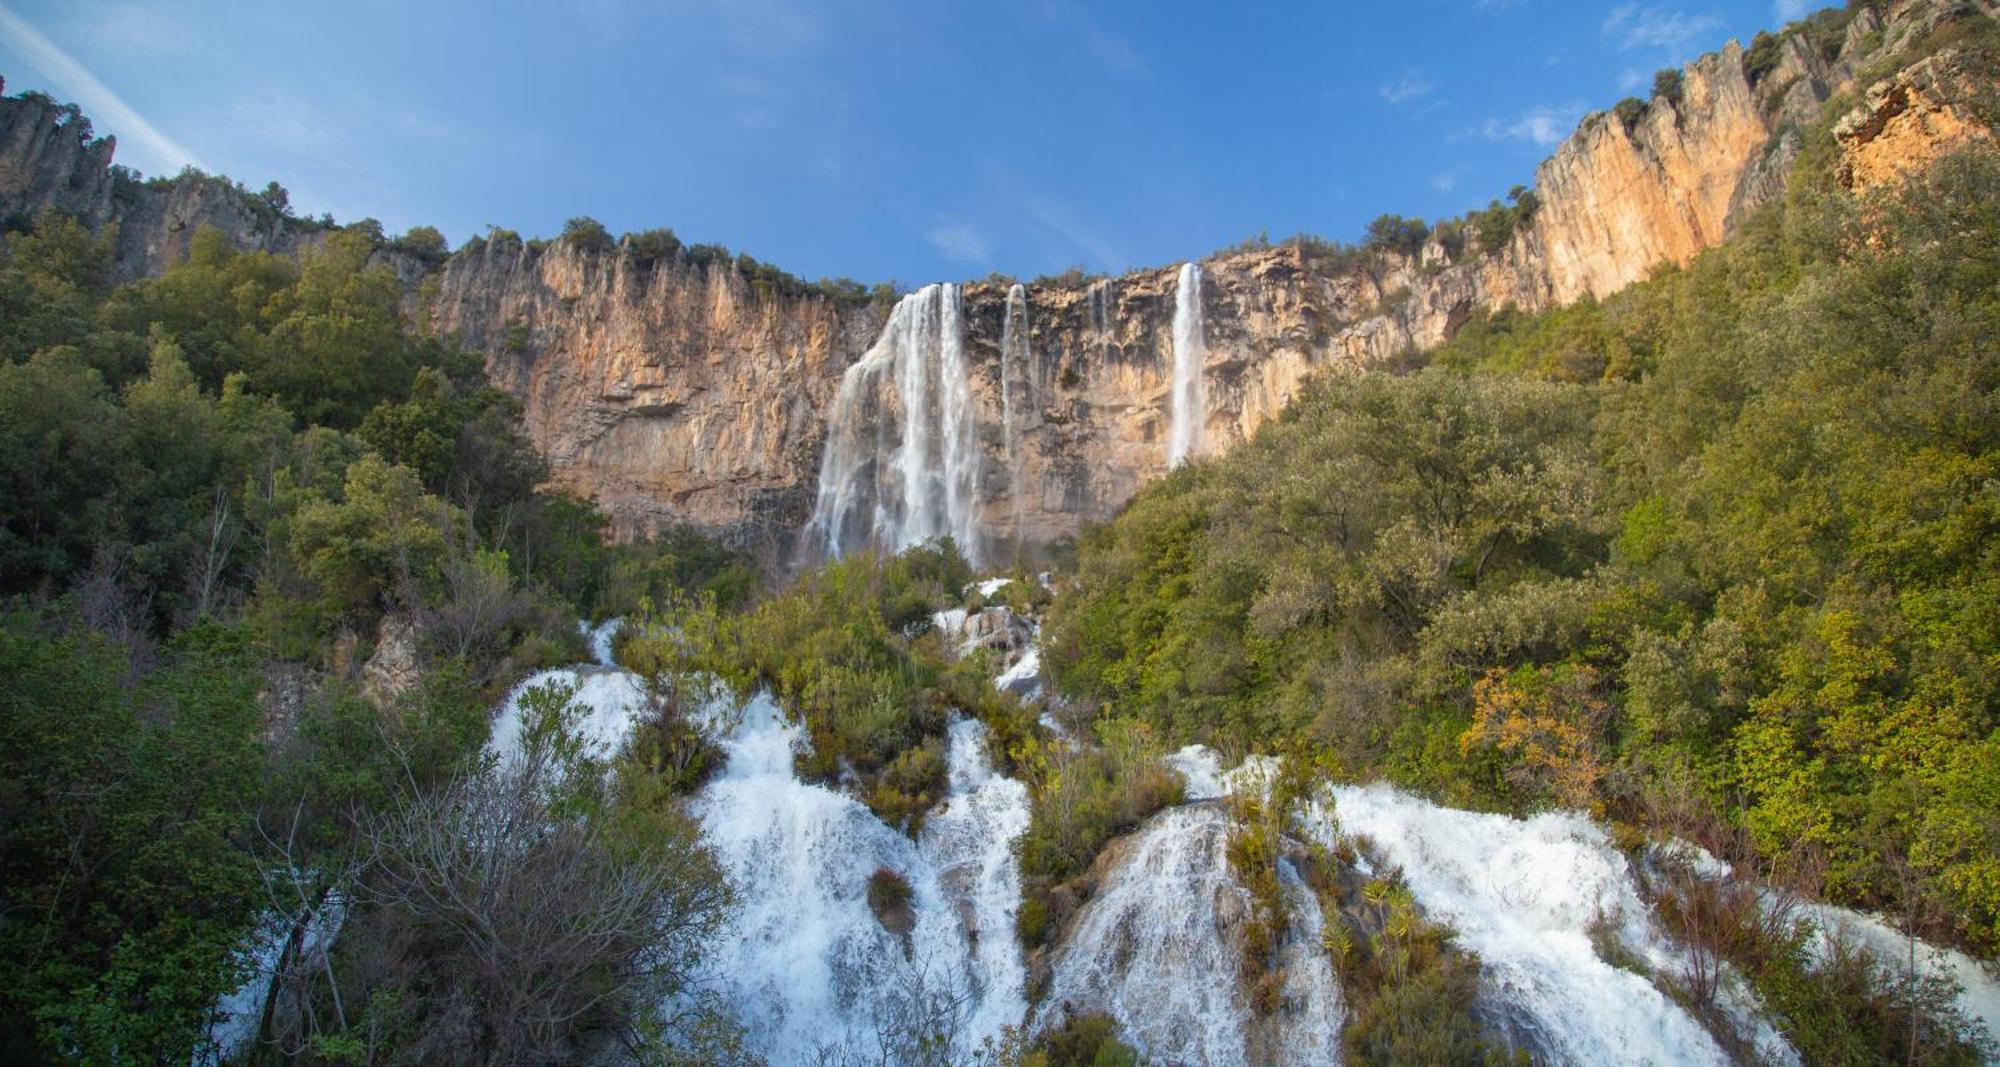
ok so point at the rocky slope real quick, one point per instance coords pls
(676, 389)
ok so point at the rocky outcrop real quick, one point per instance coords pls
(675, 388)
(1906, 122)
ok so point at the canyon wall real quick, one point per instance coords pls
(673, 388)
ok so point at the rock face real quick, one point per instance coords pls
(677, 389)
(668, 391)
(1907, 122)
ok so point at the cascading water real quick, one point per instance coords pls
(901, 466)
(1158, 949)
(1190, 397)
(1523, 894)
(1103, 314)
(806, 965)
(1016, 361)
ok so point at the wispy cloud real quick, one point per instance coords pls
(958, 241)
(151, 149)
(1444, 182)
(1787, 10)
(1057, 220)
(132, 29)
(1635, 25)
(1411, 85)
(1544, 125)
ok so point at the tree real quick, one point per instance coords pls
(1394, 233)
(121, 789)
(424, 242)
(1668, 85)
(277, 199)
(586, 234)
(521, 904)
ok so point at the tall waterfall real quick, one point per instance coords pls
(1016, 364)
(901, 464)
(1190, 399)
(1103, 314)
(1014, 359)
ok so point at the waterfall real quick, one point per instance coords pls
(1102, 315)
(1523, 894)
(1190, 400)
(805, 965)
(1157, 949)
(901, 465)
(1014, 359)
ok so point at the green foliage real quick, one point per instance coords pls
(1080, 1041)
(676, 561)
(1761, 58)
(849, 650)
(1668, 85)
(1394, 233)
(1629, 112)
(586, 234)
(1495, 226)
(1407, 987)
(426, 243)
(123, 788)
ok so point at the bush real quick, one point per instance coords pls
(1394, 233)
(424, 242)
(586, 234)
(1668, 85)
(889, 896)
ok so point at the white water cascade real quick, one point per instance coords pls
(1523, 895)
(901, 466)
(1189, 406)
(1154, 950)
(806, 966)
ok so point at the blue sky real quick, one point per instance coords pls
(881, 141)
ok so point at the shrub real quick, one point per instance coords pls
(424, 242)
(1669, 85)
(1629, 112)
(1394, 233)
(586, 234)
(889, 895)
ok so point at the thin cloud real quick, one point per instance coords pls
(958, 241)
(154, 150)
(1635, 25)
(1544, 126)
(132, 29)
(1788, 10)
(1056, 220)
(1444, 182)
(1411, 85)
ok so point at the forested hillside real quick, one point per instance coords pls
(270, 558)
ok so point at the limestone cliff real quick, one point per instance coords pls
(670, 392)
(675, 388)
